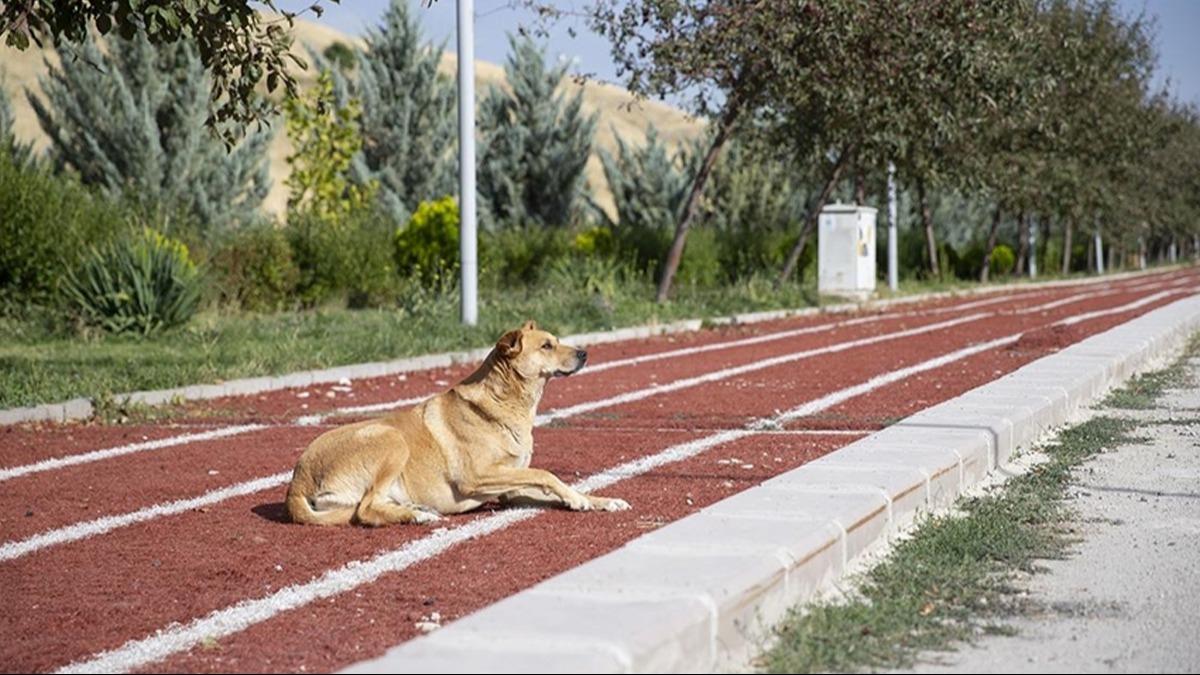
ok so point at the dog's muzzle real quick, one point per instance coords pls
(580, 359)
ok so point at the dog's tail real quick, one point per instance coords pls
(301, 510)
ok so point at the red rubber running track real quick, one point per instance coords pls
(163, 547)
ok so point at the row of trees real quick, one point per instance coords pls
(1043, 108)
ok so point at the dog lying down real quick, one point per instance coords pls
(451, 453)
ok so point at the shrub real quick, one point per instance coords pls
(351, 258)
(701, 263)
(427, 248)
(521, 255)
(968, 266)
(141, 283)
(1003, 260)
(46, 225)
(256, 270)
(598, 240)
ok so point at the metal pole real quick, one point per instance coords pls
(1099, 253)
(1033, 228)
(466, 160)
(893, 245)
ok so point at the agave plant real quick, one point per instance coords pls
(142, 284)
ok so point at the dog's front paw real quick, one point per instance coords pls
(608, 504)
(580, 502)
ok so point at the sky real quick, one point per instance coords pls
(1177, 28)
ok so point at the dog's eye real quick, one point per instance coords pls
(547, 345)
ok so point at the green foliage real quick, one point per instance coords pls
(129, 119)
(47, 224)
(349, 260)
(409, 124)
(428, 247)
(341, 55)
(142, 284)
(648, 187)
(524, 255)
(596, 240)
(325, 138)
(754, 202)
(240, 46)
(535, 144)
(255, 269)
(1003, 259)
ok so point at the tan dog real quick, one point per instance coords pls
(449, 454)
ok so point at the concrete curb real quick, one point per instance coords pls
(82, 408)
(700, 593)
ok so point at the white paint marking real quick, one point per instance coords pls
(96, 455)
(1072, 320)
(91, 528)
(725, 373)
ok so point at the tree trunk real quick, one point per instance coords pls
(810, 221)
(688, 213)
(935, 270)
(1044, 240)
(991, 246)
(1066, 260)
(860, 185)
(1022, 244)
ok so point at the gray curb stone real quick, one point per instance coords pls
(81, 408)
(699, 594)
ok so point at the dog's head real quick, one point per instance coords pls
(533, 353)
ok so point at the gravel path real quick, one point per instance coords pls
(1128, 598)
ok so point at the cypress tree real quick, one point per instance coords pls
(130, 120)
(648, 184)
(408, 124)
(536, 143)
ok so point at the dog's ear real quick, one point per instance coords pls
(529, 325)
(509, 343)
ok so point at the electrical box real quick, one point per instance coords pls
(846, 251)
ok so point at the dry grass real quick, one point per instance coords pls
(612, 103)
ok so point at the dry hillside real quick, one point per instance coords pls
(611, 103)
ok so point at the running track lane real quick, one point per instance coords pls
(552, 455)
(26, 443)
(221, 462)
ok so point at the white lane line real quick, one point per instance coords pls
(222, 623)
(311, 420)
(91, 528)
(725, 373)
(96, 455)
(1072, 320)
(106, 524)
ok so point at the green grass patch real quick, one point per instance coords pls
(952, 580)
(41, 363)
